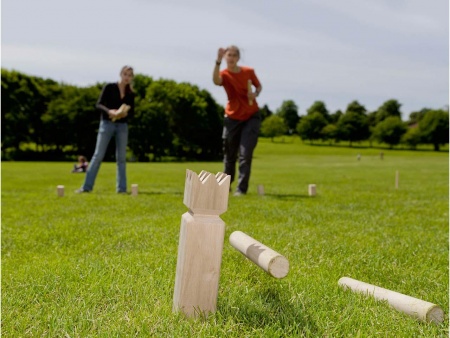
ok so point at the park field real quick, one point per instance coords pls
(103, 264)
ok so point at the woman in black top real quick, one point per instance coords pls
(116, 104)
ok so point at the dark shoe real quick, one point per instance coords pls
(122, 192)
(80, 191)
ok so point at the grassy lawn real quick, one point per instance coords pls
(103, 265)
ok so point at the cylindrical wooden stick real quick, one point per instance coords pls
(312, 190)
(270, 261)
(134, 189)
(249, 90)
(60, 190)
(413, 307)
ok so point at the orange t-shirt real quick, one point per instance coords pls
(235, 85)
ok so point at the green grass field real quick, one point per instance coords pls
(103, 264)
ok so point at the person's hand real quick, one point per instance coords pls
(252, 96)
(112, 113)
(220, 54)
(122, 114)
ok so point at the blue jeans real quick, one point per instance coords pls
(106, 131)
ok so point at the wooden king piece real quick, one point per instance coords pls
(200, 246)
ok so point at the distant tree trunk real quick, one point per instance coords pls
(436, 147)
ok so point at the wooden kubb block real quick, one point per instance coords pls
(312, 190)
(201, 241)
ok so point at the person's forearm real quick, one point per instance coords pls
(102, 107)
(216, 74)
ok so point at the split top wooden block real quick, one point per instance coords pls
(205, 193)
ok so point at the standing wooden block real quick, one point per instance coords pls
(134, 189)
(396, 179)
(124, 108)
(200, 246)
(267, 259)
(261, 190)
(60, 190)
(413, 307)
(312, 190)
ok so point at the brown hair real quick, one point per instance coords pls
(236, 49)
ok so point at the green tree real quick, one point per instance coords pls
(180, 113)
(353, 125)
(265, 112)
(329, 132)
(388, 109)
(289, 113)
(319, 107)
(336, 116)
(273, 126)
(412, 137)
(310, 127)
(416, 117)
(390, 131)
(434, 128)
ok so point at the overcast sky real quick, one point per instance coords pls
(335, 51)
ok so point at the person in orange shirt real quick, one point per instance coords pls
(242, 119)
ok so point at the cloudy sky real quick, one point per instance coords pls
(302, 50)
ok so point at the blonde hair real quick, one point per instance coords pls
(129, 87)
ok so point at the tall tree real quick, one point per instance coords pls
(390, 131)
(434, 128)
(353, 125)
(265, 112)
(311, 126)
(273, 126)
(319, 107)
(289, 113)
(387, 109)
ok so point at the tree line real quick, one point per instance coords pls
(427, 126)
(46, 120)
(57, 121)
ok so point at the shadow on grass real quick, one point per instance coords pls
(275, 309)
(443, 149)
(150, 193)
(288, 197)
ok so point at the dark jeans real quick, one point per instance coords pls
(240, 137)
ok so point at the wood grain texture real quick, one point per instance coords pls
(414, 307)
(267, 259)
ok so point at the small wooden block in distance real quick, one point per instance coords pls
(413, 307)
(60, 190)
(261, 190)
(312, 190)
(267, 259)
(134, 189)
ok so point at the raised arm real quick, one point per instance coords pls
(217, 79)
